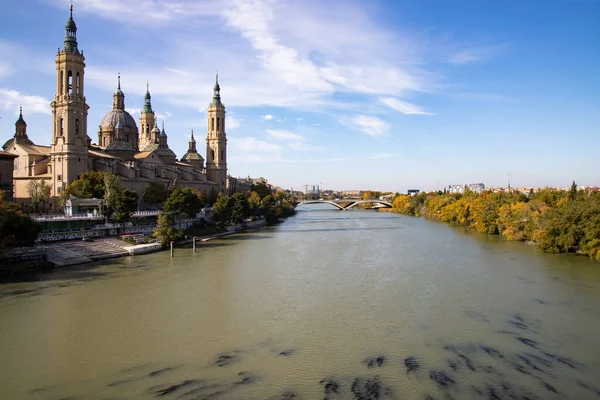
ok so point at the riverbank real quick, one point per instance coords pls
(553, 221)
(74, 253)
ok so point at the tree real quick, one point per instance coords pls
(254, 203)
(262, 189)
(165, 230)
(573, 191)
(185, 201)
(223, 208)
(126, 204)
(155, 193)
(112, 191)
(39, 192)
(89, 185)
(241, 207)
(17, 229)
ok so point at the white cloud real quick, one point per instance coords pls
(370, 125)
(133, 111)
(232, 123)
(252, 144)
(267, 117)
(292, 140)
(403, 107)
(477, 54)
(12, 99)
(283, 135)
(163, 116)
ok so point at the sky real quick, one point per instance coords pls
(382, 95)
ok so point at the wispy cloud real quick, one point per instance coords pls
(163, 116)
(12, 99)
(253, 144)
(267, 117)
(477, 54)
(292, 140)
(232, 123)
(283, 135)
(370, 125)
(403, 107)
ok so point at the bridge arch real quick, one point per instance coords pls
(357, 202)
(346, 206)
(320, 202)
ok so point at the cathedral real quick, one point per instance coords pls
(137, 155)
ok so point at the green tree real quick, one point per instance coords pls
(126, 204)
(262, 189)
(112, 192)
(39, 192)
(165, 230)
(185, 201)
(89, 185)
(254, 203)
(223, 208)
(155, 193)
(573, 191)
(17, 229)
(241, 207)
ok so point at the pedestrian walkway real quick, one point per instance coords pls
(78, 252)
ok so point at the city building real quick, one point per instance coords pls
(412, 192)
(460, 189)
(310, 189)
(137, 156)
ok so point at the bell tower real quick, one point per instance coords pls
(216, 141)
(147, 121)
(69, 114)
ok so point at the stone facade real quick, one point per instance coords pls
(137, 156)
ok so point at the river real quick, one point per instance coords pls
(329, 304)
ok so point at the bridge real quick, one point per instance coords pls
(346, 205)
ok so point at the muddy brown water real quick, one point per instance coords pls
(329, 304)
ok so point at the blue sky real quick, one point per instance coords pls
(384, 95)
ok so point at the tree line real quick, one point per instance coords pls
(555, 221)
(228, 210)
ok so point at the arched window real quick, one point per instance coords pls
(77, 127)
(218, 123)
(78, 84)
(62, 127)
(61, 83)
(147, 128)
(212, 124)
(212, 155)
(222, 155)
(69, 82)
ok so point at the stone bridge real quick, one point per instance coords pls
(345, 205)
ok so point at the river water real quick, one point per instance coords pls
(329, 304)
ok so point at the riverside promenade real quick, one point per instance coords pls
(74, 252)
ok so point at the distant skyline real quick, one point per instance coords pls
(381, 95)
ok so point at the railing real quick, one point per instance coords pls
(146, 213)
(54, 217)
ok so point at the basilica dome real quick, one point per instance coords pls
(115, 117)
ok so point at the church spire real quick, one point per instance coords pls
(192, 144)
(216, 101)
(71, 35)
(119, 96)
(147, 104)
